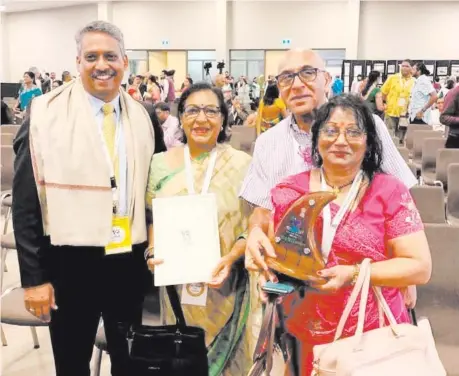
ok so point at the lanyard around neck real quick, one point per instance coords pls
(330, 226)
(190, 175)
(111, 162)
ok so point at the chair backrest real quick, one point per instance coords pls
(405, 153)
(236, 140)
(443, 240)
(7, 169)
(430, 147)
(430, 201)
(444, 158)
(452, 203)
(247, 136)
(418, 141)
(10, 128)
(410, 133)
(7, 139)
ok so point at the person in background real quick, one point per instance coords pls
(72, 273)
(56, 84)
(138, 82)
(255, 89)
(237, 113)
(396, 92)
(170, 125)
(423, 96)
(27, 92)
(337, 86)
(450, 118)
(168, 94)
(271, 109)
(66, 77)
(220, 80)
(436, 84)
(187, 83)
(226, 318)
(381, 223)
(449, 85)
(160, 145)
(7, 116)
(355, 88)
(372, 95)
(153, 93)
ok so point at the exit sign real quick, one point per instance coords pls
(165, 42)
(286, 42)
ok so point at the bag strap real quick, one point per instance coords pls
(414, 319)
(176, 306)
(265, 345)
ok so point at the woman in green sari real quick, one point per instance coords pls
(226, 317)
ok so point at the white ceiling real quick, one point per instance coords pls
(23, 5)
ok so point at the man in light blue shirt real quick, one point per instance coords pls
(423, 96)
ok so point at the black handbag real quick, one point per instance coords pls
(172, 350)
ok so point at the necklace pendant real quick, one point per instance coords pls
(336, 190)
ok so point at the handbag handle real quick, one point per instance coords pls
(176, 306)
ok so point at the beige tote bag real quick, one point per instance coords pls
(394, 350)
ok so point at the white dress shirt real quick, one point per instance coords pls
(97, 105)
(276, 156)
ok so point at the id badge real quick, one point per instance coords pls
(120, 241)
(401, 102)
(195, 294)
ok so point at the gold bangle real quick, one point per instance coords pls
(355, 274)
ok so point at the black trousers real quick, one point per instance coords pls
(452, 142)
(89, 285)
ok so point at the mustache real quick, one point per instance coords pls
(106, 72)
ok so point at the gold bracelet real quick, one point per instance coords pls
(355, 274)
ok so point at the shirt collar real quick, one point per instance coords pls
(97, 104)
(295, 126)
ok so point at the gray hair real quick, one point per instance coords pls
(101, 27)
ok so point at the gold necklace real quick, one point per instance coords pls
(337, 188)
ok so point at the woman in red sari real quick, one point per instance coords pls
(380, 223)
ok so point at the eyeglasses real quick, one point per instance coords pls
(351, 134)
(305, 75)
(193, 111)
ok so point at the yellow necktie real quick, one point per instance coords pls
(109, 131)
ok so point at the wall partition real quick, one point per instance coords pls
(249, 63)
(195, 65)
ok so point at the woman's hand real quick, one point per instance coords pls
(262, 279)
(337, 277)
(221, 272)
(152, 262)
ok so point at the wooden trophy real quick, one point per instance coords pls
(295, 239)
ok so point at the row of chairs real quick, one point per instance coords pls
(12, 300)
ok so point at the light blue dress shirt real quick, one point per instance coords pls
(96, 105)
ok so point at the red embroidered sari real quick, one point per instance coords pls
(386, 211)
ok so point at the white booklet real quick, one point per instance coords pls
(186, 237)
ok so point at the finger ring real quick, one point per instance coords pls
(31, 309)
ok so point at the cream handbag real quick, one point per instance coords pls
(394, 350)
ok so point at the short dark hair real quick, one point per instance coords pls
(139, 76)
(373, 156)
(409, 61)
(204, 86)
(163, 106)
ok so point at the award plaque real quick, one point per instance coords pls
(297, 250)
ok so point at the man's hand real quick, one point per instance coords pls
(257, 242)
(39, 301)
(221, 272)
